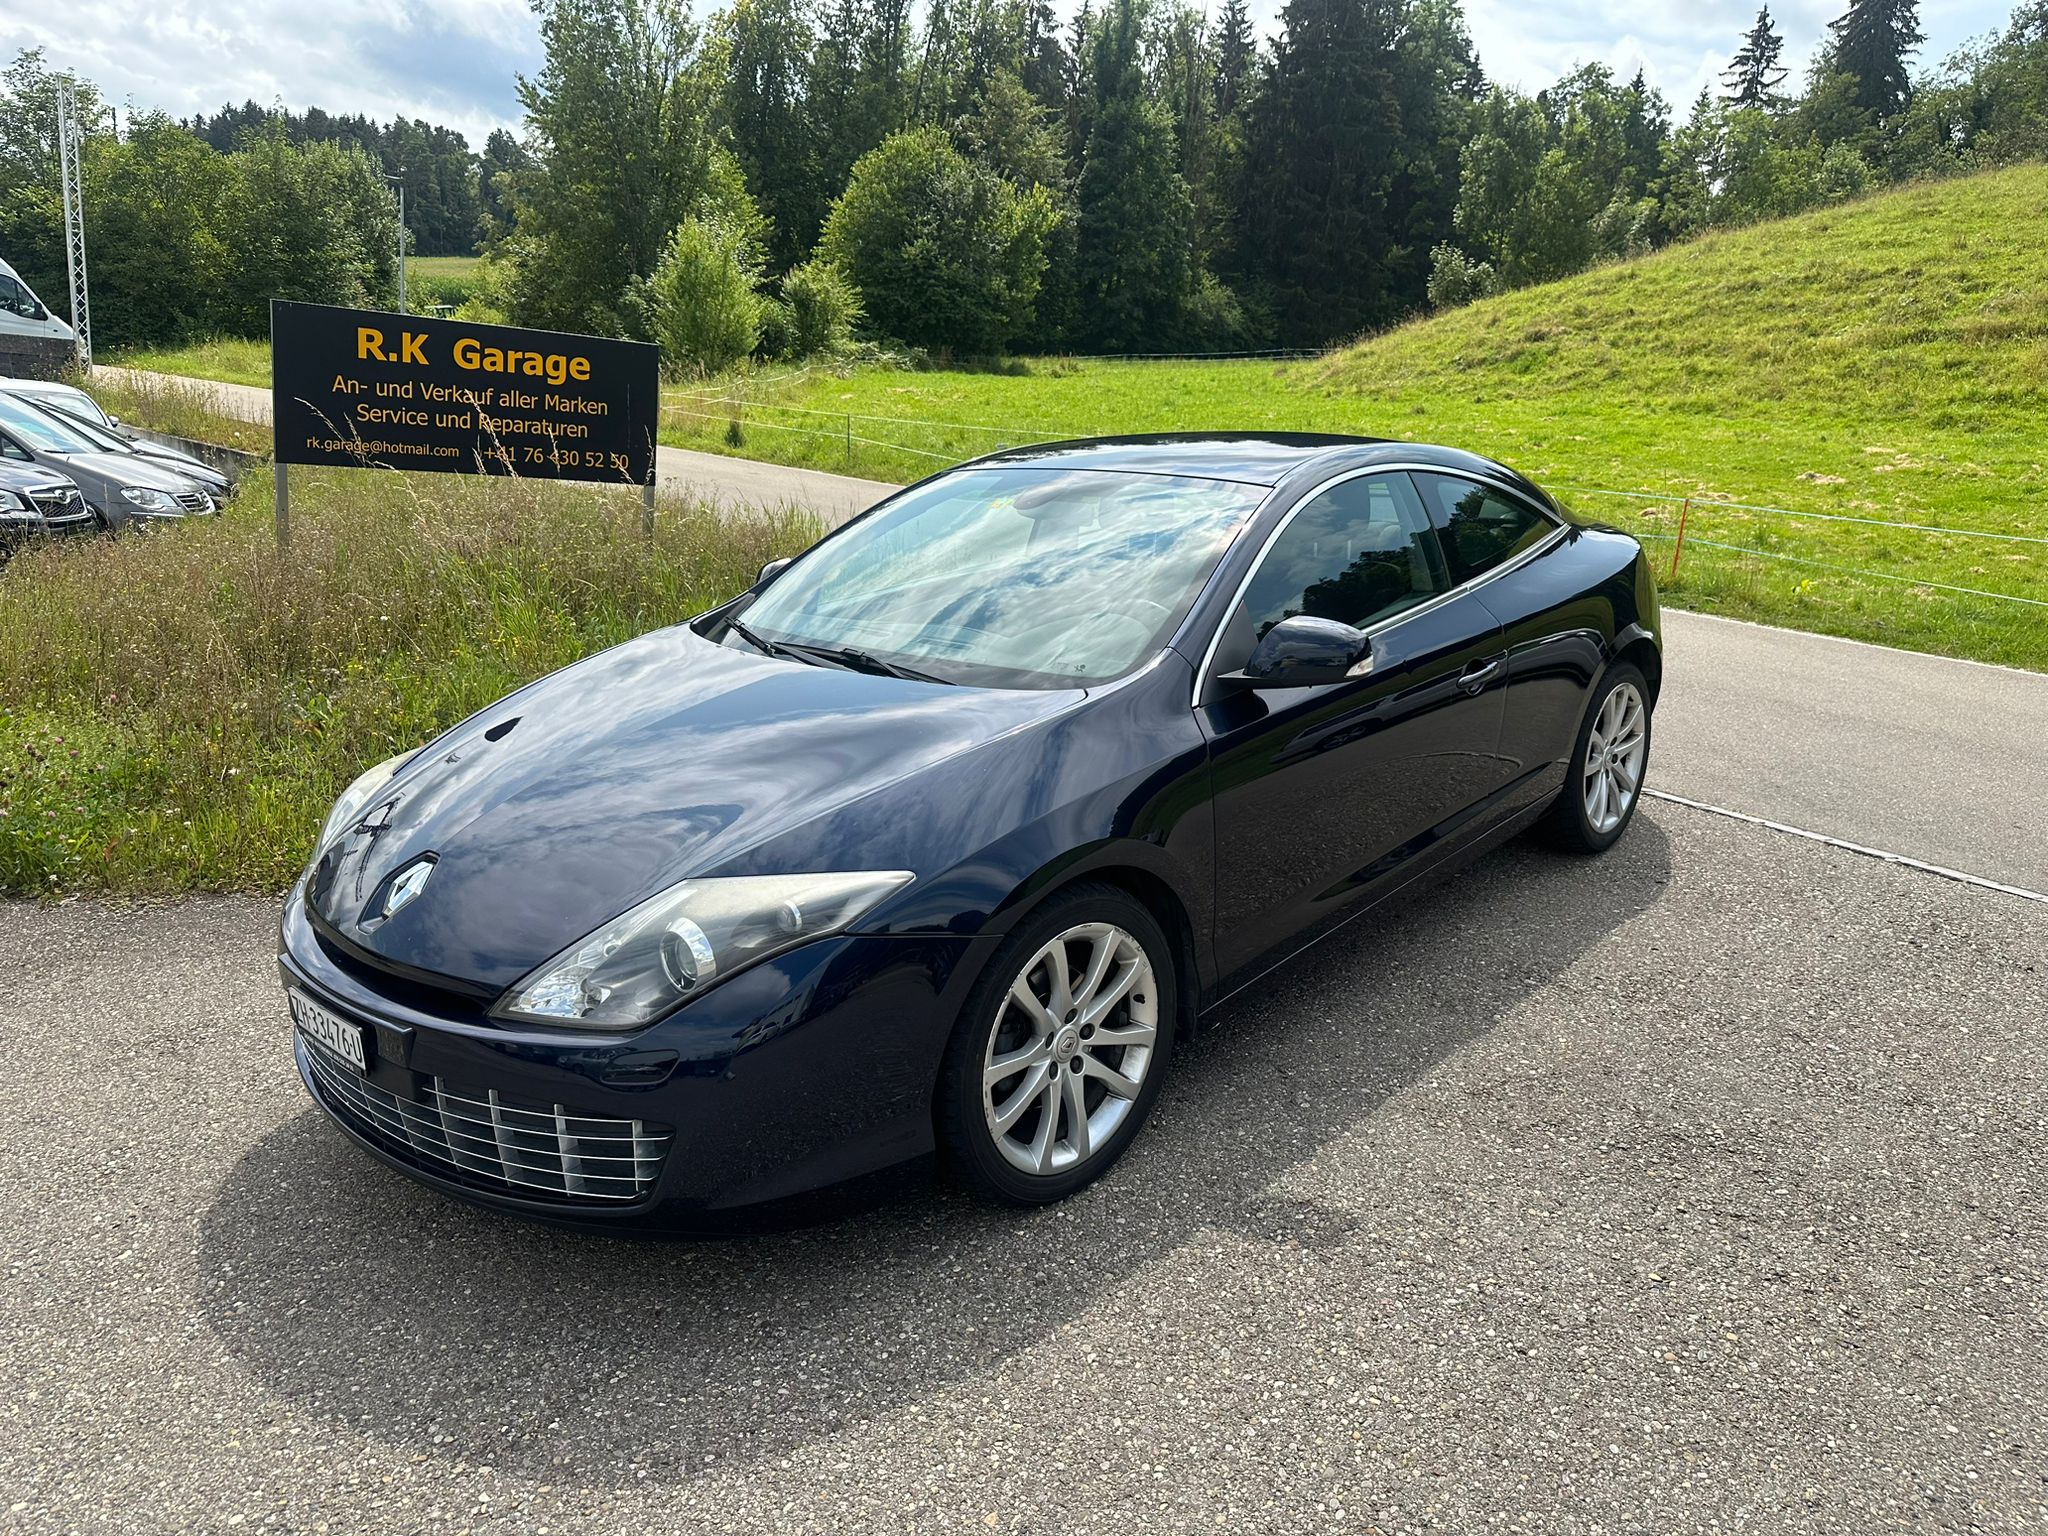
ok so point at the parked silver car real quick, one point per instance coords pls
(108, 440)
(78, 407)
(124, 490)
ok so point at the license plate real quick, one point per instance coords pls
(330, 1030)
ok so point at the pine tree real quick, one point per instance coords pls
(1874, 39)
(1046, 65)
(1235, 50)
(1645, 127)
(1754, 74)
(1316, 225)
(1134, 211)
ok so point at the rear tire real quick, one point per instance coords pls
(1059, 1054)
(1604, 779)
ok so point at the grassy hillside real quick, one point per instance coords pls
(1887, 360)
(1910, 325)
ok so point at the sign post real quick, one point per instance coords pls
(370, 390)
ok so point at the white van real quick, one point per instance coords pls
(23, 316)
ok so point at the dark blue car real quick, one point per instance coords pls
(943, 834)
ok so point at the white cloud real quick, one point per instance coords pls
(452, 62)
(1680, 47)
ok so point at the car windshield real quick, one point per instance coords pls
(76, 405)
(39, 429)
(98, 436)
(1011, 578)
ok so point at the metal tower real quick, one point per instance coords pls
(69, 145)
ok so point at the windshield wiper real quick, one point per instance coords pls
(862, 661)
(765, 647)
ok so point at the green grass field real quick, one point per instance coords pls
(179, 710)
(1886, 362)
(230, 359)
(438, 279)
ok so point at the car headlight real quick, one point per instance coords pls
(9, 502)
(680, 943)
(149, 498)
(356, 798)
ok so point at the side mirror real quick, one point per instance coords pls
(770, 571)
(40, 313)
(1302, 652)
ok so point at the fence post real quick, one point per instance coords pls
(1678, 546)
(849, 442)
(647, 504)
(282, 474)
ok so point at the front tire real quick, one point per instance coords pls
(1604, 780)
(1060, 1053)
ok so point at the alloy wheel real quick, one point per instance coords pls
(1614, 758)
(1072, 1042)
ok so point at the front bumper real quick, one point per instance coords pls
(803, 1072)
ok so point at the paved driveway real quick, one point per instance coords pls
(1696, 1188)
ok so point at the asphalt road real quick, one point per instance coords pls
(1945, 761)
(1696, 1188)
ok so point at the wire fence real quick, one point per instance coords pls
(1980, 592)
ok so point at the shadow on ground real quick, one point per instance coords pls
(464, 1335)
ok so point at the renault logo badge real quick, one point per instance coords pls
(409, 884)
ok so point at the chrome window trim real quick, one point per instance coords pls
(1204, 673)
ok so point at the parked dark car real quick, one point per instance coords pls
(944, 834)
(37, 502)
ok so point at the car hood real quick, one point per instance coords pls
(23, 480)
(180, 464)
(121, 469)
(587, 792)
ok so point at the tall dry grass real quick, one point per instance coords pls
(178, 709)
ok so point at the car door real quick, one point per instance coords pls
(1323, 793)
(1514, 553)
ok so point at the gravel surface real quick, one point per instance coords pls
(1696, 1188)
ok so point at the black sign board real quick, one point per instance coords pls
(365, 388)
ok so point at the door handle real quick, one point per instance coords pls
(1476, 676)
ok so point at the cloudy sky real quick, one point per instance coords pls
(452, 61)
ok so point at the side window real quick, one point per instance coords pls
(13, 297)
(1359, 553)
(10, 449)
(1479, 528)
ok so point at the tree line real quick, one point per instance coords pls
(1152, 178)
(981, 178)
(183, 240)
(451, 205)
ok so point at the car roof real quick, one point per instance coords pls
(1255, 458)
(42, 387)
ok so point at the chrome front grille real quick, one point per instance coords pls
(195, 501)
(62, 510)
(534, 1153)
